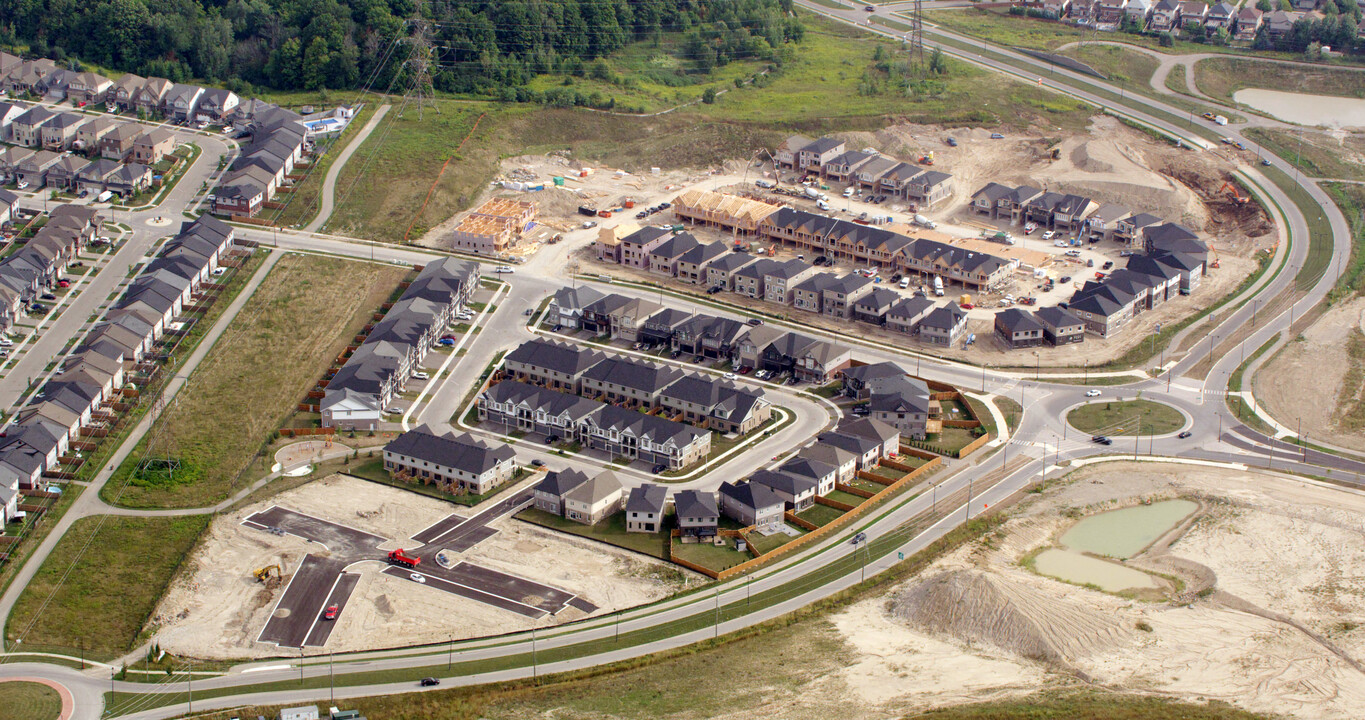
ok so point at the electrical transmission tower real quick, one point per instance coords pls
(420, 92)
(917, 35)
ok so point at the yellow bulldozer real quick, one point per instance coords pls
(270, 575)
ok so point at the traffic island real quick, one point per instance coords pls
(1126, 417)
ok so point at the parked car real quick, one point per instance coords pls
(997, 136)
(421, 376)
(660, 468)
(952, 142)
(1065, 279)
(731, 376)
(551, 439)
(502, 269)
(538, 463)
(1049, 234)
(48, 296)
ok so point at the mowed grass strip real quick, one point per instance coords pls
(29, 701)
(115, 578)
(1127, 417)
(300, 318)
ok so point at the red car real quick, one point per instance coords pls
(967, 306)
(330, 613)
(744, 370)
(63, 283)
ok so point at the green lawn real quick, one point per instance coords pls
(1351, 199)
(611, 531)
(820, 515)
(29, 701)
(772, 542)
(1316, 154)
(951, 440)
(286, 335)
(716, 558)
(1128, 417)
(846, 498)
(113, 580)
(1127, 68)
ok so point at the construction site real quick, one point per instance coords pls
(228, 599)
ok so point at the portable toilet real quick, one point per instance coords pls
(559, 181)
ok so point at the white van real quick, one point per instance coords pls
(848, 192)
(1073, 253)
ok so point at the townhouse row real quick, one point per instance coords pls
(755, 347)
(830, 158)
(1080, 216)
(279, 141)
(455, 462)
(1242, 23)
(356, 396)
(703, 401)
(83, 394)
(37, 266)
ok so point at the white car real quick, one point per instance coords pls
(6, 342)
(1049, 234)
(421, 376)
(1092, 393)
(502, 269)
(731, 376)
(417, 577)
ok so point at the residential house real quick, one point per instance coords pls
(1102, 223)
(1060, 326)
(26, 129)
(151, 97)
(943, 325)
(663, 259)
(1129, 230)
(242, 193)
(868, 450)
(8, 112)
(842, 166)
(566, 305)
(65, 172)
(1018, 329)
(786, 155)
(845, 463)
(89, 134)
(987, 200)
(1071, 211)
(129, 180)
(215, 106)
(1193, 14)
(87, 87)
(928, 188)
(1220, 15)
(781, 278)
(618, 316)
(1280, 23)
(905, 404)
(809, 295)
(698, 516)
(628, 383)
(1137, 11)
(451, 460)
(551, 364)
(796, 492)
(860, 379)
(60, 132)
(873, 307)
(750, 504)
(180, 101)
(870, 173)
(1018, 201)
(10, 157)
(692, 264)
(893, 181)
(9, 206)
(117, 143)
(1055, 9)
(153, 145)
(749, 280)
(888, 436)
(709, 336)
(823, 474)
(720, 272)
(906, 315)
(1172, 237)
(124, 91)
(494, 227)
(1109, 14)
(634, 249)
(1248, 22)
(645, 508)
(841, 295)
(813, 156)
(715, 405)
(658, 329)
(593, 501)
(739, 216)
(1164, 17)
(32, 172)
(1162, 275)
(1103, 307)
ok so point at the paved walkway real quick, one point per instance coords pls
(329, 183)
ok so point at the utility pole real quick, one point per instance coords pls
(419, 65)
(535, 672)
(716, 632)
(450, 650)
(331, 685)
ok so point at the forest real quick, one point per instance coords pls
(478, 46)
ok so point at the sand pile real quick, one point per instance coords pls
(978, 607)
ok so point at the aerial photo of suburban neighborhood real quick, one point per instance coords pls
(668, 360)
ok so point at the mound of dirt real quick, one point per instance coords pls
(977, 607)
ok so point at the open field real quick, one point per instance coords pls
(305, 200)
(1338, 155)
(1350, 197)
(216, 610)
(29, 701)
(299, 319)
(1127, 68)
(1128, 417)
(116, 577)
(1221, 77)
(1317, 381)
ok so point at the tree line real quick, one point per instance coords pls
(477, 46)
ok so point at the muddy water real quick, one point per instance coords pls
(1305, 109)
(1077, 568)
(1117, 533)
(1124, 533)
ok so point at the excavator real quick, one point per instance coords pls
(270, 575)
(1237, 197)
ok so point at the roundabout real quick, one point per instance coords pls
(1126, 418)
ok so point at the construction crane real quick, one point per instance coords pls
(1237, 197)
(270, 575)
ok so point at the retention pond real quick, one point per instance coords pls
(1117, 534)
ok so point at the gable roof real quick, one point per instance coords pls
(752, 495)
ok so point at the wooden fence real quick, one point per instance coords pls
(974, 445)
(297, 432)
(815, 532)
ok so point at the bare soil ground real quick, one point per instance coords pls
(1305, 381)
(215, 609)
(1271, 637)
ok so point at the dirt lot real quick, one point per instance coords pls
(216, 610)
(1306, 380)
(1279, 558)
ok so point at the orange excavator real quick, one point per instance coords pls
(1237, 197)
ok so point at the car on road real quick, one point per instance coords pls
(1184, 434)
(1102, 440)
(529, 312)
(430, 682)
(538, 463)
(1265, 162)
(417, 577)
(731, 376)
(331, 612)
(1107, 264)
(502, 269)
(1092, 393)
(1228, 141)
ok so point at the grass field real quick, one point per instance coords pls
(611, 531)
(305, 199)
(1128, 417)
(1316, 154)
(710, 556)
(1350, 198)
(116, 577)
(286, 335)
(1127, 68)
(1221, 77)
(820, 515)
(29, 701)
